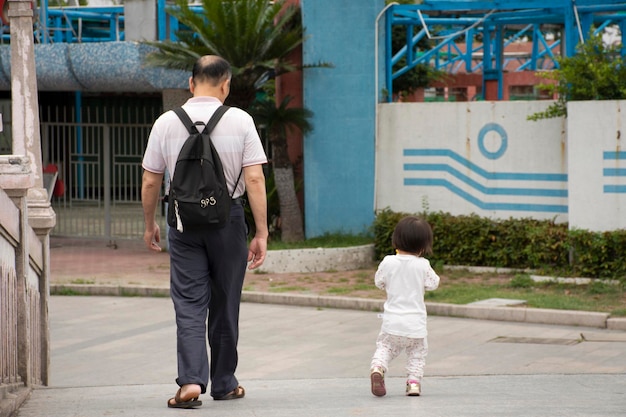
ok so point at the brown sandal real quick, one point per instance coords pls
(179, 403)
(235, 394)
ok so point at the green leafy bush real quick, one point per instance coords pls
(384, 224)
(596, 72)
(598, 254)
(543, 245)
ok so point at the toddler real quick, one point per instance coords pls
(404, 276)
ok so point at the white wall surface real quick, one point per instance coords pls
(597, 165)
(471, 157)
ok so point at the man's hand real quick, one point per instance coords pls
(257, 197)
(150, 188)
(257, 252)
(152, 237)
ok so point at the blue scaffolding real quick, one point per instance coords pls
(88, 24)
(462, 35)
(473, 34)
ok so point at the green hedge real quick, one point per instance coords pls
(514, 243)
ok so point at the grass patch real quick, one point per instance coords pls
(538, 295)
(81, 281)
(288, 289)
(522, 281)
(365, 287)
(65, 291)
(339, 290)
(159, 267)
(329, 240)
(358, 287)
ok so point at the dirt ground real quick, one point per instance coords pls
(129, 263)
(81, 261)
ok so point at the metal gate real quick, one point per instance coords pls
(98, 192)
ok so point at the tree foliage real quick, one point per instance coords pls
(596, 72)
(255, 36)
(278, 120)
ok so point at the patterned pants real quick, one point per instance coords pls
(389, 346)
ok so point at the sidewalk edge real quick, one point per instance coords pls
(498, 313)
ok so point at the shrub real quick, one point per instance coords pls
(471, 240)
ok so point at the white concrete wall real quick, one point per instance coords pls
(318, 260)
(472, 157)
(597, 161)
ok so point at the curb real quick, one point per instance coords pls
(497, 313)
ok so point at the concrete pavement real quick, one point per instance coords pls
(115, 356)
(300, 356)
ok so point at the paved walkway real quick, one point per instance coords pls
(115, 356)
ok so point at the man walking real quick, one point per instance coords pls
(208, 266)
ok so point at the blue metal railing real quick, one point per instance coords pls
(472, 35)
(84, 24)
(74, 25)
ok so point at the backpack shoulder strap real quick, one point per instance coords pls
(217, 115)
(184, 117)
(192, 127)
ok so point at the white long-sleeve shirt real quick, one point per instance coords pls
(405, 278)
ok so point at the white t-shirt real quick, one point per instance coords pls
(405, 278)
(235, 138)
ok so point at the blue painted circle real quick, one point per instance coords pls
(481, 140)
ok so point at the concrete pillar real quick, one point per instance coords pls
(25, 109)
(27, 142)
(339, 153)
(143, 15)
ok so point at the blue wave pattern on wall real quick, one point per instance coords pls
(440, 169)
(617, 174)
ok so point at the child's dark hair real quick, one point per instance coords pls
(413, 235)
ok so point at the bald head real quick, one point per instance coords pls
(211, 77)
(211, 69)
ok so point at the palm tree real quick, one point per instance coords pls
(255, 36)
(278, 120)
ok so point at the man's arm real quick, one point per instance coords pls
(150, 189)
(257, 197)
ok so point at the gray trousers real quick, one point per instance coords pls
(207, 272)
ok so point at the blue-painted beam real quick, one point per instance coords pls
(462, 18)
(161, 20)
(459, 5)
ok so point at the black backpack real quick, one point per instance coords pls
(198, 196)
